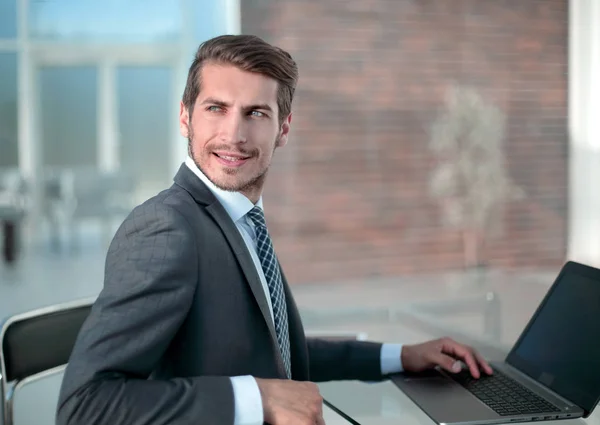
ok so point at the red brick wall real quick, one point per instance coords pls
(348, 197)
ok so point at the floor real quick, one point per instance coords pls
(491, 310)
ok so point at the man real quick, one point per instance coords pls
(196, 322)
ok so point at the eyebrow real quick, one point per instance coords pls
(217, 102)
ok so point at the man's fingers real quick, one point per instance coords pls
(320, 420)
(477, 364)
(483, 363)
(446, 362)
(466, 354)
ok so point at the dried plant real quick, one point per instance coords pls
(470, 179)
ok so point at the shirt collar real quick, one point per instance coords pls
(235, 203)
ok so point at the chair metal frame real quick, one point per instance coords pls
(9, 389)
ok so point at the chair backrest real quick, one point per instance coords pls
(36, 344)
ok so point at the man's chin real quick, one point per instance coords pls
(229, 184)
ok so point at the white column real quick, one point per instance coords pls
(584, 131)
(108, 128)
(30, 148)
(233, 18)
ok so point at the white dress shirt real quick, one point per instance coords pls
(248, 402)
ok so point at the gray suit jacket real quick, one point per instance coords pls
(181, 311)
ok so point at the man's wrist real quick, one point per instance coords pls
(391, 359)
(247, 401)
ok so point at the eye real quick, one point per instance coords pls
(214, 108)
(257, 114)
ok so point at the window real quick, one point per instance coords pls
(8, 110)
(145, 123)
(108, 20)
(68, 115)
(8, 19)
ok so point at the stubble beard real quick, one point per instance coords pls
(243, 186)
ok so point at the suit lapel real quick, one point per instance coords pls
(240, 250)
(190, 182)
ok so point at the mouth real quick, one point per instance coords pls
(231, 159)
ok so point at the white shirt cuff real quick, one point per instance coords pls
(248, 402)
(391, 359)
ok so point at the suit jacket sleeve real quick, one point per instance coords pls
(150, 279)
(344, 360)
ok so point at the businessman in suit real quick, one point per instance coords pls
(196, 322)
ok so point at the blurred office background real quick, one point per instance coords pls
(443, 162)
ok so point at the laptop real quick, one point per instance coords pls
(551, 372)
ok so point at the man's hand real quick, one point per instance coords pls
(291, 402)
(445, 353)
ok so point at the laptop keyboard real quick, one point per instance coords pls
(503, 394)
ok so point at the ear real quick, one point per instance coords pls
(184, 120)
(284, 131)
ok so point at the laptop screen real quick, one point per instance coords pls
(560, 348)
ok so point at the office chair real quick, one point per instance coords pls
(35, 345)
(336, 335)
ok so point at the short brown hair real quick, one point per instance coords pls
(248, 53)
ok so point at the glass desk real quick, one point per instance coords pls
(384, 404)
(488, 316)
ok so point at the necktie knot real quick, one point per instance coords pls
(257, 216)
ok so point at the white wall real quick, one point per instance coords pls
(584, 131)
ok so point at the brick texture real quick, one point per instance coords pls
(348, 197)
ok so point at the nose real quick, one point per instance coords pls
(233, 129)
